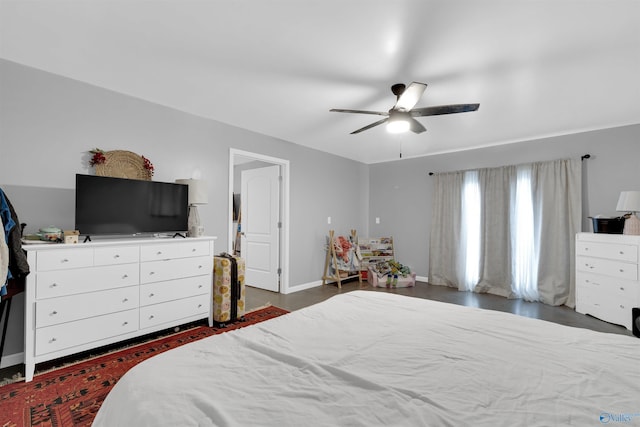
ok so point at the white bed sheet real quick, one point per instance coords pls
(378, 359)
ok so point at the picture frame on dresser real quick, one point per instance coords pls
(608, 276)
(84, 296)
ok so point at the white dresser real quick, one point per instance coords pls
(608, 276)
(86, 295)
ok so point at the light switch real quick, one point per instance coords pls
(328, 220)
(377, 220)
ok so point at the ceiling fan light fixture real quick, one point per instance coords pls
(398, 123)
(400, 118)
(398, 126)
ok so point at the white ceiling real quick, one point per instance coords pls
(537, 67)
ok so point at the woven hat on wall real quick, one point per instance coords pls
(123, 164)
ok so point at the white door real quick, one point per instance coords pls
(260, 217)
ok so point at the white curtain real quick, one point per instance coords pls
(508, 231)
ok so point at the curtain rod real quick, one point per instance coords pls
(586, 156)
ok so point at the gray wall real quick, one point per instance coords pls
(48, 123)
(401, 191)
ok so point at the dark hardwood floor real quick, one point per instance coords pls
(562, 315)
(294, 301)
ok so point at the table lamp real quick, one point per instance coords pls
(197, 196)
(629, 201)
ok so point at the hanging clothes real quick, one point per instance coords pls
(18, 267)
(4, 259)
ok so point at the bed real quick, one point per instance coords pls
(379, 359)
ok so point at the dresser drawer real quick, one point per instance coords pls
(116, 255)
(64, 259)
(50, 284)
(81, 306)
(157, 271)
(155, 293)
(608, 309)
(160, 251)
(619, 269)
(613, 251)
(194, 248)
(66, 335)
(608, 287)
(163, 251)
(173, 311)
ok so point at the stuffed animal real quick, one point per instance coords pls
(342, 246)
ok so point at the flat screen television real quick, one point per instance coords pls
(119, 206)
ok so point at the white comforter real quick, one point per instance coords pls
(377, 359)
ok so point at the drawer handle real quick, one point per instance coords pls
(53, 313)
(151, 317)
(199, 266)
(116, 256)
(199, 305)
(125, 276)
(621, 270)
(152, 273)
(621, 306)
(125, 323)
(621, 252)
(622, 288)
(125, 300)
(52, 340)
(159, 253)
(193, 249)
(65, 260)
(53, 285)
(199, 286)
(151, 295)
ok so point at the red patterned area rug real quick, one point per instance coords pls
(71, 395)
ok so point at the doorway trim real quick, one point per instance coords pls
(284, 200)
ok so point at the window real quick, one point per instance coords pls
(508, 231)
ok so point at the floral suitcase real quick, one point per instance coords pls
(228, 289)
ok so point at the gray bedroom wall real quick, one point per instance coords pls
(48, 123)
(401, 190)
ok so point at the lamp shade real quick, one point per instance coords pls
(197, 191)
(629, 201)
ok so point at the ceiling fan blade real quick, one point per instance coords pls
(416, 126)
(410, 97)
(378, 113)
(444, 109)
(379, 122)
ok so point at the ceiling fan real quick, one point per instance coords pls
(400, 117)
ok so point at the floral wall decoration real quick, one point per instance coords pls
(121, 164)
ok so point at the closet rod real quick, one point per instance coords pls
(586, 156)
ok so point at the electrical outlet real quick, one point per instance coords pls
(328, 220)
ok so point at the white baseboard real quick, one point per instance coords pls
(12, 359)
(317, 283)
(303, 287)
